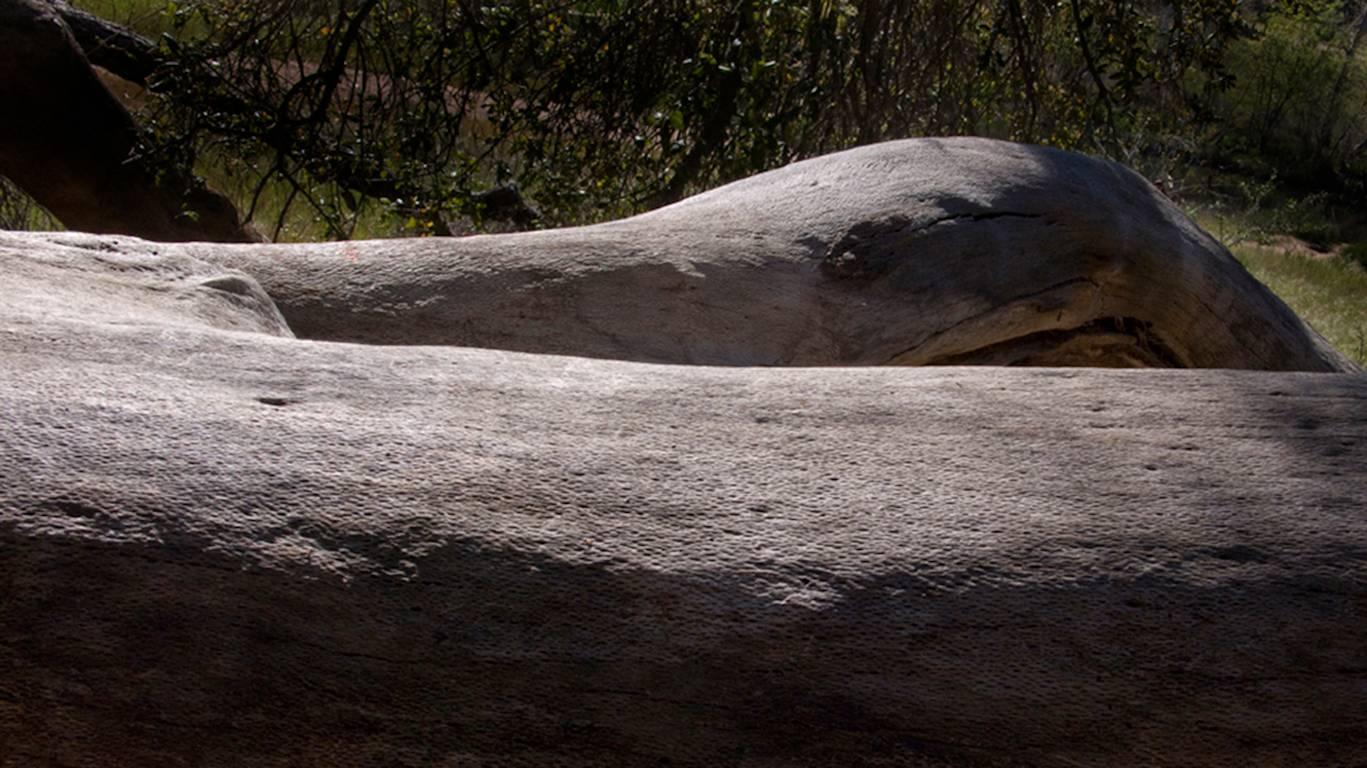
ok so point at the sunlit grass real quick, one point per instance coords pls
(19, 212)
(151, 18)
(1329, 292)
(284, 214)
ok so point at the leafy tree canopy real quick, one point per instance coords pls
(440, 109)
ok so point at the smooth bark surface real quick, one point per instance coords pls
(910, 252)
(223, 545)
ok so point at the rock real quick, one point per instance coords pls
(221, 545)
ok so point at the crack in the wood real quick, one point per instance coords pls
(980, 315)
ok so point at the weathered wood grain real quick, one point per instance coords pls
(222, 545)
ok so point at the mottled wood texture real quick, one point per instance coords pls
(224, 545)
(912, 252)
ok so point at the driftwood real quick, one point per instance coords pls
(68, 142)
(221, 545)
(913, 252)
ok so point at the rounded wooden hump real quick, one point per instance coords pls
(224, 544)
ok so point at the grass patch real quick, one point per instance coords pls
(1329, 293)
(289, 216)
(151, 18)
(19, 212)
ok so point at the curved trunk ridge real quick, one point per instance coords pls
(224, 545)
(910, 252)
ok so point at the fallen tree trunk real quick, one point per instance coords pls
(913, 252)
(220, 544)
(72, 147)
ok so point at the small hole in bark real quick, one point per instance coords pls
(277, 402)
(1239, 553)
(74, 508)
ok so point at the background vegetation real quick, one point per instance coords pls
(601, 108)
(345, 118)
